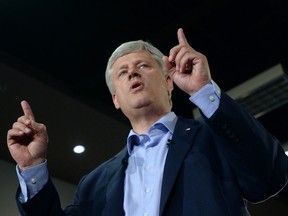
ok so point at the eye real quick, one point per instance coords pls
(122, 73)
(142, 66)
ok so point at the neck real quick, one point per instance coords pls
(142, 123)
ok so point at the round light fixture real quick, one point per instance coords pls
(78, 149)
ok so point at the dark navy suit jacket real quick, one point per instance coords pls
(213, 166)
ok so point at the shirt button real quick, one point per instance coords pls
(21, 198)
(33, 181)
(147, 190)
(148, 167)
(211, 98)
(145, 214)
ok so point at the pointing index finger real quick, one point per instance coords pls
(27, 110)
(181, 36)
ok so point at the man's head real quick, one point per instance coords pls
(137, 78)
(131, 47)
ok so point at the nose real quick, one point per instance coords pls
(134, 73)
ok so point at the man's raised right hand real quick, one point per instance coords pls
(27, 140)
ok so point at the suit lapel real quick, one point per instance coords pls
(182, 140)
(115, 186)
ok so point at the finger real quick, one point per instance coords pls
(24, 120)
(38, 127)
(169, 65)
(186, 63)
(174, 52)
(27, 110)
(21, 127)
(14, 132)
(12, 135)
(181, 36)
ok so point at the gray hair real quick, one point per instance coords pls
(132, 47)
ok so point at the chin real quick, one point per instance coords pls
(141, 105)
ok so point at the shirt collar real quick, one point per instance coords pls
(168, 121)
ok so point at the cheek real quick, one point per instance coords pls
(161, 85)
(119, 86)
(119, 100)
(115, 100)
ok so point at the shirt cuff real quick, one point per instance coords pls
(207, 99)
(32, 180)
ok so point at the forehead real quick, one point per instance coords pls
(133, 57)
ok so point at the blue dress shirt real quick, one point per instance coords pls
(143, 177)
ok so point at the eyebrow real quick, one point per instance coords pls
(137, 61)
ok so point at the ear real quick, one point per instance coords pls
(115, 101)
(169, 82)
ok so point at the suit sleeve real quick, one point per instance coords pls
(45, 203)
(255, 155)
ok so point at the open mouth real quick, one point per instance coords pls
(136, 86)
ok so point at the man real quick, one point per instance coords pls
(171, 165)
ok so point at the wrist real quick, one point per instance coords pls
(36, 162)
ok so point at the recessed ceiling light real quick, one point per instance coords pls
(78, 149)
